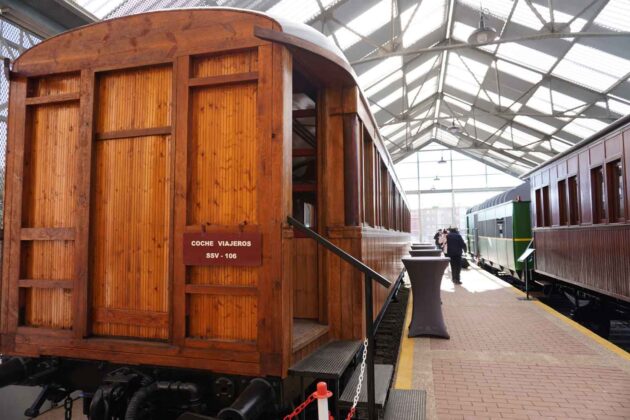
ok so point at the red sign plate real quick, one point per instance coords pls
(236, 249)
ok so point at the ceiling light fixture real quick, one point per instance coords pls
(437, 178)
(483, 33)
(454, 129)
(441, 159)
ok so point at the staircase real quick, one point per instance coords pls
(333, 363)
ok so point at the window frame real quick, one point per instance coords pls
(573, 208)
(613, 197)
(599, 200)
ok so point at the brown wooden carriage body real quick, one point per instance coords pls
(125, 134)
(581, 210)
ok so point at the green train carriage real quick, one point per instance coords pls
(499, 230)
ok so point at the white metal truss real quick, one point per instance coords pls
(519, 100)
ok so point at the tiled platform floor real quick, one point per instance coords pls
(514, 359)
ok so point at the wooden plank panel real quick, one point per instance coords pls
(47, 308)
(596, 266)
(305, 279)
(47, 234)
(47, 261)
(82, 206)
(225, 63)
(130, 317)
(50, 176)
(46, 283)
(223, 80)
(134, 99)
(130, 231)
(226, 135)
(42, 100)
(55, 84)
(181, 125)
(223, 154)
(127, 134)
(222, 317)
(221, 290)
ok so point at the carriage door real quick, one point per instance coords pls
(130, 203)
(306, 287)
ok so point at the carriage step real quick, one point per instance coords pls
(406, 404)
(543, 283)
(382, 380)
(327, 362)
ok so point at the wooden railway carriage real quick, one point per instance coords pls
(130, 139)
(499, 229)
(581, 213)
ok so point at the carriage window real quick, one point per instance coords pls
(574, 201)
(617, 207)
(368, 179)
(539, 207)
(546, 206)
(598, 190)
(562, 201)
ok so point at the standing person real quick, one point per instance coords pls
(436, 238)
(442, 241)
(455, 246)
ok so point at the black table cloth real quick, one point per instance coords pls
(426, 274)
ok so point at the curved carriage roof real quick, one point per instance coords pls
(518, 193)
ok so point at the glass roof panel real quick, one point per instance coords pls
(583, 128)
(498, 8)
(388, 129)
(423, 91)
(379, 71)
(615, 16)
(389, 80)
(307, 10)
(457, 103)
(591, 67)
(523, 15)
(541, 101)
(535, 124)
(559, 146)
(428, 17)
(364, 24)
(527, 56)
(99, 8)
(518, 71)
(415, 73)
(619, 107)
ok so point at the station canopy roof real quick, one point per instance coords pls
(557, 73)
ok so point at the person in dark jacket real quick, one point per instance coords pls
(455, 245)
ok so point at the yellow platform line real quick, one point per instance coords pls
(404, 373)
(585, 331)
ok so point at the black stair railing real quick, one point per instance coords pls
(369, 316)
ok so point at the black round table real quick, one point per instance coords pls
(422, 246)
(426, 274)
(425, 252)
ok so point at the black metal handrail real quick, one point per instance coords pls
(339, 252)
(369, 316)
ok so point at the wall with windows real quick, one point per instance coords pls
(589, 186)
(441, 184)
